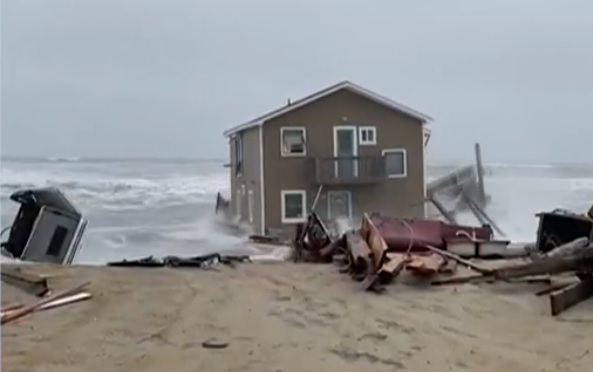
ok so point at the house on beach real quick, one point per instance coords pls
(343, 151)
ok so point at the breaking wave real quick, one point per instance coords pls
(118, 192)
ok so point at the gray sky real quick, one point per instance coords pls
(165, 78)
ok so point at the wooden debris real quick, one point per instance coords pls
(581, 260)
(567, 297)
(82, 296)
(552, 288)
(394, 265)
(361, 264)
(459, 260)
(30, 283)
(27, 309)
(426, 265)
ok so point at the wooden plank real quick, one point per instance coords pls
(460, 260)
(29, 283)
(566, 298)
(394, 265)
(27, 309)
(426, 265)
(376, 243)
(360, 256)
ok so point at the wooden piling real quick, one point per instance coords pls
(480, 173)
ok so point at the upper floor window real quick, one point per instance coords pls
(293, 141)
(238, 154)
(367, 135)
(396, 163)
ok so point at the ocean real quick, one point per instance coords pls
(159, 207)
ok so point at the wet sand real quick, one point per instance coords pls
(286, 317)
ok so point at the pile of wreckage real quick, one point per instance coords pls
(383, 247)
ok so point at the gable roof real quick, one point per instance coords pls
(326, 92)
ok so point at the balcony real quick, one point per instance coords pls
(357, 170)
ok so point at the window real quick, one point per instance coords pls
(57, 241)
(294, 204)
(367, 135)
(293, 141)
(238, 154)
(396, 163)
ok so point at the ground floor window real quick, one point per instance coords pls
(294, 206)
(396, 163)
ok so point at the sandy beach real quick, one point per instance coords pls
(287, 317)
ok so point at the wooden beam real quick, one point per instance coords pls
(29, 283)
(566, 298)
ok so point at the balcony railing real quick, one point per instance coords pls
(349, 170)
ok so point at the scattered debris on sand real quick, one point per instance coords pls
(383, 247)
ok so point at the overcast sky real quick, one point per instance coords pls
(165, 78)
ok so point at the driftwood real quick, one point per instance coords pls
(30, 283)
(27, 309)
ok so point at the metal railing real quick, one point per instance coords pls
(349, 170)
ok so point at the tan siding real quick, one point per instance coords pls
(394, 130)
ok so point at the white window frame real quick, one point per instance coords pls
(405, 157)
(334, 192)
(288, 154)
(283, 195)
(238, 160)
(367, 129)
(250, 205)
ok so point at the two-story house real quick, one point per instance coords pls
(343, 151)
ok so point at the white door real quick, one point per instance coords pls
(345, 150)
(339, 204)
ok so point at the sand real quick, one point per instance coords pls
(286, 317)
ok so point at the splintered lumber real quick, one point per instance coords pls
(566, 298)
(27, 309)
(361, 264)
(580, 261)
(375, 241)
(29, 283)
(460, 260)
(394, 265)
(426, 265)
